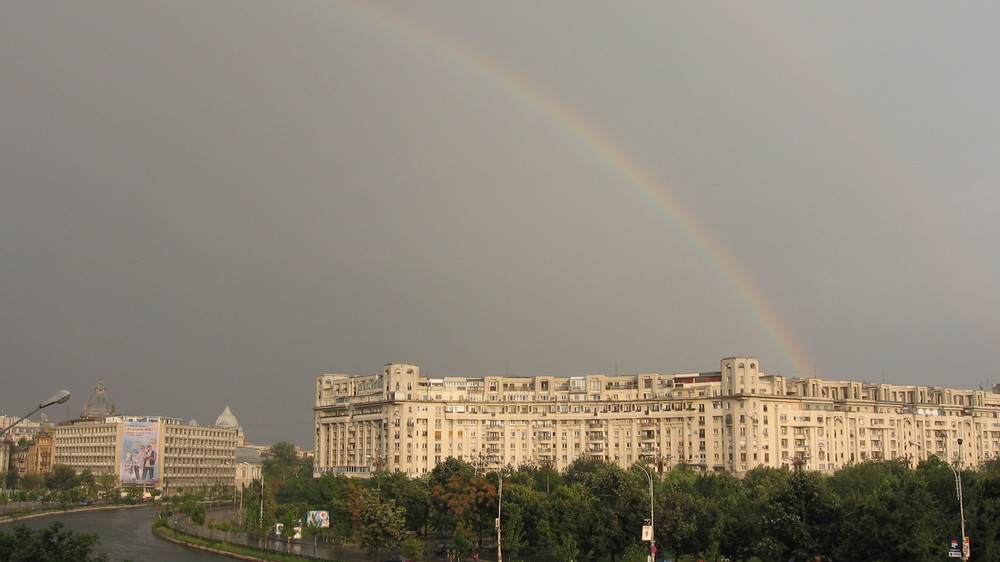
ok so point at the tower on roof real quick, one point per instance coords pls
(227, 420)
(100, 405)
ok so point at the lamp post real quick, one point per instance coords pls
(58, 398)
(379, 463)
(958, 492)
(652, 527)
(499, 505)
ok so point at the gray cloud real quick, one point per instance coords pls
(212, 203)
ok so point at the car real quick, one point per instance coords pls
(442, 549)
(397, 558)
(87, 502)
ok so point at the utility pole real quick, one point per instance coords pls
(499, 505)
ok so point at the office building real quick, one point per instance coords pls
(154, 452)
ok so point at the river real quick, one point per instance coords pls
(125, 534)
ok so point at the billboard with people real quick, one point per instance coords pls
(138, 453)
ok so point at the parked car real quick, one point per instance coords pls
(397, 558)
(442, 549)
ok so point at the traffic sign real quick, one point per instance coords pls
(954, 547)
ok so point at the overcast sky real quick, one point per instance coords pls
(213, 203)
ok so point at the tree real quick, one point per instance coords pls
(415, 499)
(522, 514)
(49, 544)
(32, 481)
(193, 509)
(468, 503)
(983, 512)
(62, 477)
(563, 525)
(580, 469)
(898, 521)
(381, 522)
(106, 484)
(12, 478)
(620, 501)
(282, 463)
(412, 549)
(288, 520)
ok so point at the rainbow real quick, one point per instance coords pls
(684, 220)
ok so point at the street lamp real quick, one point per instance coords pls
(958, 491)
(652, 537)
(58, 398)
(499, 505)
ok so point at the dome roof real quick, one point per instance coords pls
(99, 405)
(227, 420)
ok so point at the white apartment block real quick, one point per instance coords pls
(186, 457)
(734, 419)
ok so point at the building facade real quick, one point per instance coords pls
(25, 429)
(734, 419)
(150, 451)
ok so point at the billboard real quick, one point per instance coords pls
(138, 462)
(318, 518)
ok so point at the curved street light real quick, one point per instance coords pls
(58, 398)
(958, 491)
(652, 536)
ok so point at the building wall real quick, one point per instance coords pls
(25, 429)
(734, 419)
(189, 457)
(198, 457)
(247, 472)
(40, 453)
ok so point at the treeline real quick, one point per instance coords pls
(596, 511)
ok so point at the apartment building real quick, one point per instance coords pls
(733, 419)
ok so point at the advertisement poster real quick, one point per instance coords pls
(138, 462)
(318, 518)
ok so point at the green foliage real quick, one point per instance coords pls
(565, 549)
(465, 501)
(32, 481)
(191, 507)
(464, 542)
(11, 478)
(579, 470)
(51, 544)
(412, 549)
(594, 511)
(381, 522)
(634, 553)
(282, 463)
(62, 477)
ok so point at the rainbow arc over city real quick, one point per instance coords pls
(687, 224)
